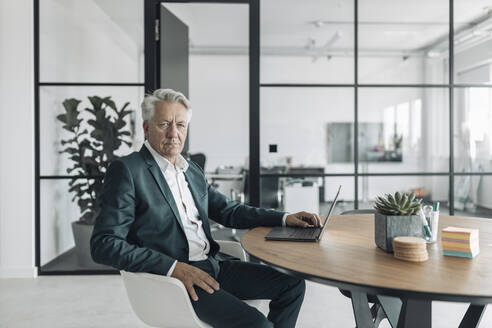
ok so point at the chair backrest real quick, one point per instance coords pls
(233, 248)
(160, 301)
(360, 211)
(200, 159)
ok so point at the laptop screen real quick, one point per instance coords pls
(331, 209)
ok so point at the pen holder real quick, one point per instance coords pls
(434, 224)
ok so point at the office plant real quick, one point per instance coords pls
(398, 204)
(95, 134)
(396, 215)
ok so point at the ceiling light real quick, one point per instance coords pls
(481, 32)
(433, 54)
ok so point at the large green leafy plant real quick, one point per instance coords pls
(96, 132)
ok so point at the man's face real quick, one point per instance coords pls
(167, 130)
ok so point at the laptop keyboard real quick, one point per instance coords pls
(302, 233)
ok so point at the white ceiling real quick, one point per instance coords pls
(384, 25)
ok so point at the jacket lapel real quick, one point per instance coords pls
(190, 178)
(161, 182)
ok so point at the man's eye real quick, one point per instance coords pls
(164, 125)
(182, 125)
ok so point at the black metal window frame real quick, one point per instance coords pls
(151, 83)
(450, 86)
(151, 56)
(38, 176)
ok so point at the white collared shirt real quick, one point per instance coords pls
(198, 244)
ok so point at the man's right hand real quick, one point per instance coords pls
(190, 275)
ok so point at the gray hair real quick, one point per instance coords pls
(167, 95)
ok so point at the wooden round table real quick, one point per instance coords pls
(347, 257)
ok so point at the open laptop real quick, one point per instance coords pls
(302, 234)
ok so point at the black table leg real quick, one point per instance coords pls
(362, 313)
(415, 314)
(379, 316)
(391, 307)
(472, 316)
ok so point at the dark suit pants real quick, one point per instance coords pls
(246, 281)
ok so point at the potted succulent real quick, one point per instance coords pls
(396, 215)
(96, 132)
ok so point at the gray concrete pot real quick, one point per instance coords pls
(82, 236)
(387, 227)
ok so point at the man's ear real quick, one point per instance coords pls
(145, 126)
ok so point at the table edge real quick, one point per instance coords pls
(377, 290)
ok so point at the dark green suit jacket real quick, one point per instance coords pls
(139, 228)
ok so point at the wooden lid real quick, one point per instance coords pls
(409, 243)
(411, 253)
(419, 258)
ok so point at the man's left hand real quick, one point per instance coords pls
(303, 219)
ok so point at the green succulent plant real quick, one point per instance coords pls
(399, 204)
(91, 147)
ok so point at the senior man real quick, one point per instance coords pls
(155, 210)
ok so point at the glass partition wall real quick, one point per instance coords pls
(378, 70)
(375, 95)
(99, 52)
(90, 56)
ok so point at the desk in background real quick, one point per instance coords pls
(272, 187)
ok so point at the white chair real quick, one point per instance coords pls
(161, 301)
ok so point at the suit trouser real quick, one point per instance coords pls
(246, 281)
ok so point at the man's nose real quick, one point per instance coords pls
(172, 131)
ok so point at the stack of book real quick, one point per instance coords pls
(460, 242)
(412, 249)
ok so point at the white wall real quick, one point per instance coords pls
(16, 139)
